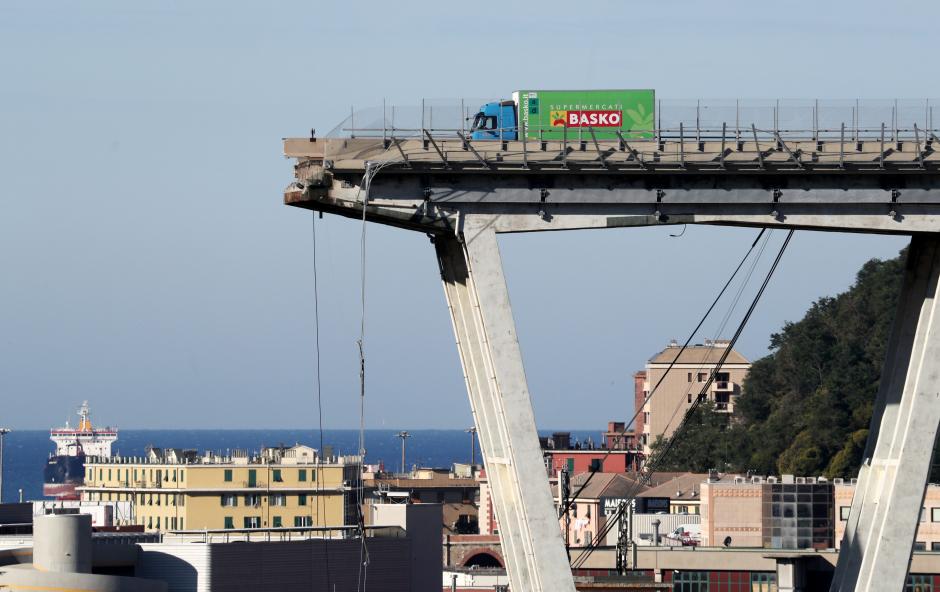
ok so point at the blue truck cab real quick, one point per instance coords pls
(495, 121)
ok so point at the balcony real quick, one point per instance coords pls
(723, 386)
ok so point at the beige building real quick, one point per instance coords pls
(683, 384)
(928, 531)
(173, 489)
(793, 512)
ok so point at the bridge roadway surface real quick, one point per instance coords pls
(463, 193)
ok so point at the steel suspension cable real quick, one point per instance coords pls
(671, 364)
(663, 454)
(316, 332)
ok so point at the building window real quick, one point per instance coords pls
(276, 475)
(252, 478)
(303, 521)
(844, 512)
(150, 522)
(763, 582)
(302, 499)
(158, 523)
(229, 522)
(182, 472)
(919, 583)
(702, 376)
(181, 524)
(253, 500)
(229, 500)
(302, 475)
(228, 475)
(278, 499)
(313, 473)
(920, 546)
(646, 417)
(252, 522)
(923, 514)
(174, 476)
(690, 397)
(690, 581)
(276, 522)
(690, 377)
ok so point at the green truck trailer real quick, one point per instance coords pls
(556, 114)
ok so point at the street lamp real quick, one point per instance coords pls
(403, 435)
(3, 433)
(472, 430)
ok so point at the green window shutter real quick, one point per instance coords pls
(228, 475)
(276, 522)
(570, 466)
(302, 499)
(277, 475)
(229, 522)
(302, 475)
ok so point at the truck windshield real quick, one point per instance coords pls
(483, 122)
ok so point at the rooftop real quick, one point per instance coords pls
(700, 353)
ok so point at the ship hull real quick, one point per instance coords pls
(62, 475)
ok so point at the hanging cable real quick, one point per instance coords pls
(651, 466)
(371, 169)
(671, 364)
(316, 332)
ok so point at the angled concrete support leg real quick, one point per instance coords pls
(879, 535)
(499, 396)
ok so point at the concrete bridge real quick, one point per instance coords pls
(463, 193)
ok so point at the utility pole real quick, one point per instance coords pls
(472, 430)
(3, 433)
(403, 435)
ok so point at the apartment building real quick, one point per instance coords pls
(687, 381)
(173, 489)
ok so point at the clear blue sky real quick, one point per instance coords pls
(147, 264)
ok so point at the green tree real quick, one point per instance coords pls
(806, 407)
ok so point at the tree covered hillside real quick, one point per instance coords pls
(806, 407)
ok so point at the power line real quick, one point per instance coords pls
(650, 468)
(316, 332)
(671, 364)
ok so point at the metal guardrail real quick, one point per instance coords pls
(697, 120)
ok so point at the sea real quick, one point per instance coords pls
(26, 452)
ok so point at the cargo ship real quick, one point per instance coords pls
(65, 469)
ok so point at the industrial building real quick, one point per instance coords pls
(403, 550)
(173, 489)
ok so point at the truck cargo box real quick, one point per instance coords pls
(545, 114)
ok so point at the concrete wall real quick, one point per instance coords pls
(24, 579)
(315, 565)
(928, 530)
(731, 510)
(422, 524)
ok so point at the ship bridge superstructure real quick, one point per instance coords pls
(85, 439)
(843, 166)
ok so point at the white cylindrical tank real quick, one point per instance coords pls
(62, 543)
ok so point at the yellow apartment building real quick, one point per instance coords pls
(173, 489)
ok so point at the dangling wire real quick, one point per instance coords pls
(372, 169)
(316, 332)
(684, 226)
